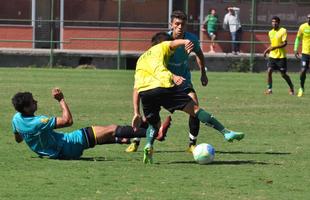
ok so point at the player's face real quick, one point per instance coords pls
(32, 107)
(275, 24)
(178, 28)
(213, 12)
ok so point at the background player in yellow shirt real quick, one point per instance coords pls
(277, 55)
(303, 34)
(157, 87)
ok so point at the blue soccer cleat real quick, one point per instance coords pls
(231, 136)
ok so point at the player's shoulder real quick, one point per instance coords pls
(304, 25)
(282, 29)
(43, 119)
(190, 36)
(16, 117)
(165, 45)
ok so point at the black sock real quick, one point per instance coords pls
(128, 132)
(302, 81)
(194, 125)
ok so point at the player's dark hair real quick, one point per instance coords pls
(178, 14)
(160, 37)
(210, 10)
(21, 100)
(276, 18)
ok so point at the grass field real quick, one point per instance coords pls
(272, 162)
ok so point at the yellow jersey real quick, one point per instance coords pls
(304, 33)
(277, 38)
(151, 69)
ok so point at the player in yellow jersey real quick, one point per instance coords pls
(277, 55)
(303, 35)
(157, 87)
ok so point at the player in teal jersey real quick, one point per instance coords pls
(178, 65)
(38, 131)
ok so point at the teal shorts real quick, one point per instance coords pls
(76, 142)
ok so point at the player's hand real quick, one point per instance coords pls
(136, 121)
(189, 46)
(178, 80)
(297, 55)
(57, 94)
(204, 79)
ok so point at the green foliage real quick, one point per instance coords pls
(239, 65)
(86, 67)
(272, 162)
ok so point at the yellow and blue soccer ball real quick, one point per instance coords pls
(204, 153)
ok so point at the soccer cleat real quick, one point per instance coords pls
(191, 148)
(300, 92)
(231, 136)
(162, 132)
(148, 155)
(268, 92)
(133, 147)
(291, 92)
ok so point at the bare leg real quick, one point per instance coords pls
(212, 44)
(269, 81)
(288, 81)
(105, 134)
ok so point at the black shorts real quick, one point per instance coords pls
(277, 64)
(189, 90)
(89, 136)
(171, 99)
(305, 58)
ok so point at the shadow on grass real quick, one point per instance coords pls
(230, 152)
(230, 162)
(170, 151)
(94, 159)
(249, 152)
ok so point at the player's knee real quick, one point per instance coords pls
(269, 70)
(112, 128)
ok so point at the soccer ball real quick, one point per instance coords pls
(204, 153)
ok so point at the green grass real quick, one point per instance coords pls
(272, 162)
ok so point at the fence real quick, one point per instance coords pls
(56, 24)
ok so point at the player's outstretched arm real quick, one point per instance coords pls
(66, 118)
(189, 46)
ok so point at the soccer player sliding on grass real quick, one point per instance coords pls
(157, 87)
(39, 134)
